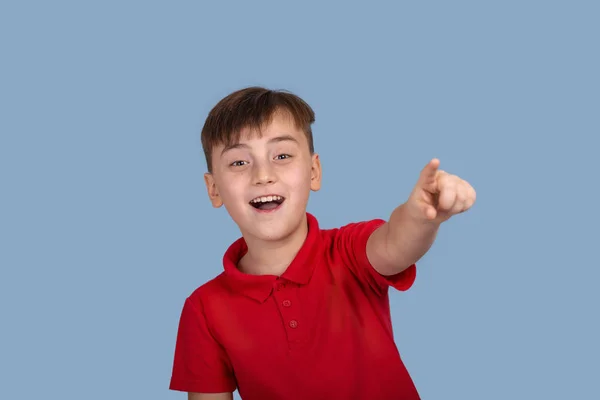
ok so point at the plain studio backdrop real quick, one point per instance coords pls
(106, 226)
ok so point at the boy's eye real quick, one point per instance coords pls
(238, 163)
(283, 156)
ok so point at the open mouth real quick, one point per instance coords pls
(267, 203)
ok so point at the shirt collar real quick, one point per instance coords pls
(259, 287)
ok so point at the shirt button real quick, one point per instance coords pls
(286, 303)
(293, 323)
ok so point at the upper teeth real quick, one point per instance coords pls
(265, 199)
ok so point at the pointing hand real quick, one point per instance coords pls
(438, 195)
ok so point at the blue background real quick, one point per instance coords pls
(106, 226)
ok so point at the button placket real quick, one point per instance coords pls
(288, 305)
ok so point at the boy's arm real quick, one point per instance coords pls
(200, 363)
(413, 226)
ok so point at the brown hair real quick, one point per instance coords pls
(252, 107)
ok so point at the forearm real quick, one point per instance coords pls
(413, 226)
(407, 239)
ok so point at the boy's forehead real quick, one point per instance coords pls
(277, 126)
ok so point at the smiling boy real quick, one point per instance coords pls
(299, 312)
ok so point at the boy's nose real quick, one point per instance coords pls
(263, 174)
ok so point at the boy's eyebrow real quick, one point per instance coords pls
(282, 138)
(234, 146)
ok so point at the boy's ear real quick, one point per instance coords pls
(213, 192)
(315, 173)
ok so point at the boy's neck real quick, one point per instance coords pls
(272, 257)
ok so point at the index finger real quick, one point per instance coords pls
(429, 171)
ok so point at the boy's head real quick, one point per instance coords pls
(261, 162)
(252, 108)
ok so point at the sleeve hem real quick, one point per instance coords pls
(184, 385)
(402, 280)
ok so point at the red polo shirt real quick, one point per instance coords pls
(320, 331)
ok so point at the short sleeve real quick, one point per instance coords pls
(351, 245)
(200, 363)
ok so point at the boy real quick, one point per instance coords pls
(299, 312)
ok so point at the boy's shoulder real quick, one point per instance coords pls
(216, 285)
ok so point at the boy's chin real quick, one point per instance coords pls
(272, 231)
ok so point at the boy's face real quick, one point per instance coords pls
(264, 182)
